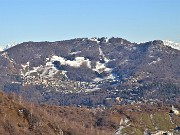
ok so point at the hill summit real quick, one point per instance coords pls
(92, 72)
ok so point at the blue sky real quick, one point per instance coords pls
(53, 20)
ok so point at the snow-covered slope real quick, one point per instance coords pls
(172, 44)
(9, 46)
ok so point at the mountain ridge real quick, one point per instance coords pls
(166, 42)
(89, 68)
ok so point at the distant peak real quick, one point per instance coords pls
(9, 46)
(172, 44)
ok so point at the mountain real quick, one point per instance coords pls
(25, 118)
(172, 44)
(92, 72)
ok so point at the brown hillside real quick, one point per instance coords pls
(18, 117)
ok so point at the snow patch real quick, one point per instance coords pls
(100, 67)
(94, 39)
(172, 44)
(75, 63)
(72, 53)
(49, 70)
(155, 61)
(42, 71)
(102, 54)
(106, 39)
